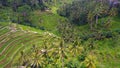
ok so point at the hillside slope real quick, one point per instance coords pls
(103, 43)
(14, 38)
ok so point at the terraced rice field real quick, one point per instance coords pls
(12, 42)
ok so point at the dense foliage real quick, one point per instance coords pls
(34, 4)
(28, 12)
(57, 56)
(53, 37)
(86, 11)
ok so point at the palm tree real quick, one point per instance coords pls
(97, 11)
(62, 53)
(36, 59)
(55, 2)
(76, 49)
(58, 53)
(90, 18)
(23, 59)
(90, 61)
(111, 13)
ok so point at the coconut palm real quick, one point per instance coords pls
(113, 12)
(58, 53)
(90, 61)
(36, 59)
(23, 59)
(90, 18)
(76, 49)
(97, 11)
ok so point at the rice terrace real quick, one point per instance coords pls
(59, 33)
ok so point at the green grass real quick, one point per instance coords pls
(115, 23)
(46, 20)
(28, 28)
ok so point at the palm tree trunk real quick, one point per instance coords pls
(96, 20)
(62, 58)
(91, 26)
(62, 62)
(55, 2)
